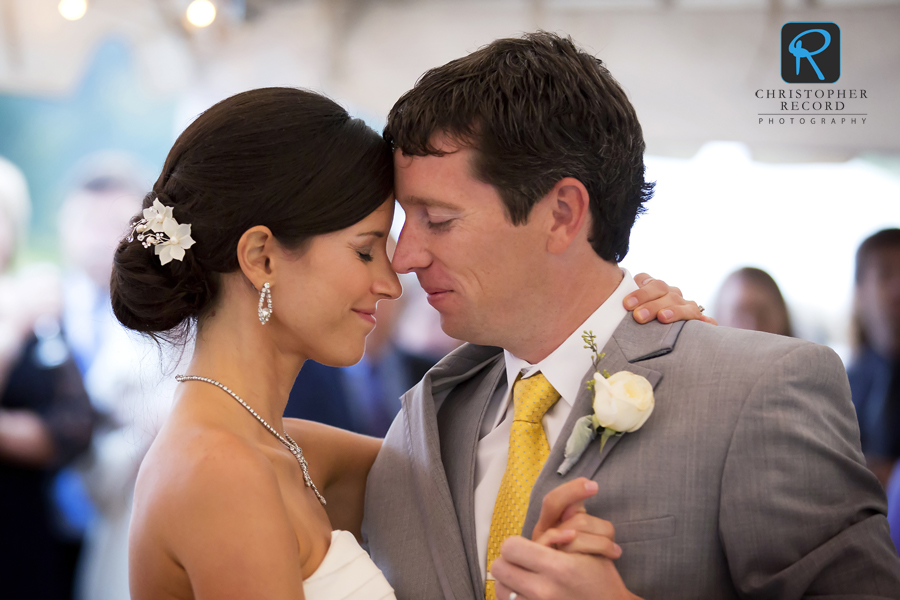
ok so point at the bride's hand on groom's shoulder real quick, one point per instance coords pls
(657, 300)
(569, 556)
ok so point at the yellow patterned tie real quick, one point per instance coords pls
(528, 451)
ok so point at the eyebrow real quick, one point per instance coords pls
(430, 202)
(378, 234)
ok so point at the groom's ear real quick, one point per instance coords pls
(568, 208)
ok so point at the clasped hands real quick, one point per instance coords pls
(570, 554)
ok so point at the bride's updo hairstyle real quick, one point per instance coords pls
(288, 159)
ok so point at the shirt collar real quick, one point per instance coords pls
(565, 367)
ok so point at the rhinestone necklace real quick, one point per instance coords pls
(289, 443)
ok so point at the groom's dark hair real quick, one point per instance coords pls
(535, 109)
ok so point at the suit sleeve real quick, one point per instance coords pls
(801, 516)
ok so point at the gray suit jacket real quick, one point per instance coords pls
(746, 482)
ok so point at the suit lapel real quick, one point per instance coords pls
(436, 505)
(459, 423)
(630, 344)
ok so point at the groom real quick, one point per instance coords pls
(520, 168)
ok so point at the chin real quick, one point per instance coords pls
(462, 330)
(344, 355)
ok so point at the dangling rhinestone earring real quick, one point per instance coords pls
(265, 295)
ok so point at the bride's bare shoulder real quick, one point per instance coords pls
(203, 468)
(208, 500)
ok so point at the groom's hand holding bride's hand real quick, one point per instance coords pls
(565, 525)
(569, 556)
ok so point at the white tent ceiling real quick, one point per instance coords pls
(691, 67)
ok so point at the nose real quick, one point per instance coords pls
(387, 284)
(410, 253)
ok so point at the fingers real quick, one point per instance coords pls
(510, 577)
(563, 503)
(571, 511)
(502, 590)
(657, 300)
(525, 554)
(539, 573)
(642, 279)
(590, 524)
(579, 532)
(554, 538)
(595, 545)
(571, 541)
(651, 289)
(670, 306)
(684, 312)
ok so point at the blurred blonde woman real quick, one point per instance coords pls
(45, 414)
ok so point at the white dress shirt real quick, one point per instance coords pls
(564, 368)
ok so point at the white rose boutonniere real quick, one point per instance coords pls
(622, 404)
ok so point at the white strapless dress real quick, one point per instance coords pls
(347, 573)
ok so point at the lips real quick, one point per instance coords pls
(435, 290)
(368, 315)
(437, 296)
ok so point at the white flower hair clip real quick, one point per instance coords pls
(159, 229)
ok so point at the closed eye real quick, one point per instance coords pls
(365, 256)
(440, 225)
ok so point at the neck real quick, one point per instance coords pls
(553, 321)
(234, 349)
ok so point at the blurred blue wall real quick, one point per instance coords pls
(110, 109)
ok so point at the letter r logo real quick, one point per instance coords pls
(810, 52)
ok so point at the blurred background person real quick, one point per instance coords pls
(750, 299)
(365, 397)
(874, 371)
(104, 192)
(123, 374)
(45, 415)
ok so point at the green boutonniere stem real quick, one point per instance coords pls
(590, 342)
(607, 433)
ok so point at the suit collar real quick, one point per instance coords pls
(642, 342)
(457, 366)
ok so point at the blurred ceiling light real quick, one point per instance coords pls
(72, 9)
(201, 13)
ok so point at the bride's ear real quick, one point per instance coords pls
(256, 253)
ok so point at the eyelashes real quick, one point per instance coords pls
(439, 225)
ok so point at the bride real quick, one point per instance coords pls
(264, 237)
